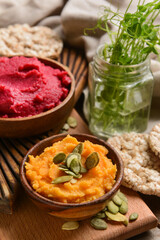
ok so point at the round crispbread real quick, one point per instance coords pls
(141, 165)
(22, 39)
(154, 139)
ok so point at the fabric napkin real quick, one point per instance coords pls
(68, 19)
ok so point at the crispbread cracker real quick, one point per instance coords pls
(141, 165)
(154, 139)
(25, 40)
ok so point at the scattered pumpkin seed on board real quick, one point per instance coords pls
(70, 225)
(72, 122)
(117, 200)
(133, 216)
(123, 208)
(122, 196)
(118, 217)
(98, 223)
(113, 208)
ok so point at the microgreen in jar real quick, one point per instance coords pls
(120, 80)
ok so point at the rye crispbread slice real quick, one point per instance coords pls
(154, 139)
(141, 165)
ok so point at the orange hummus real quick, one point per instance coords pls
(41, 171)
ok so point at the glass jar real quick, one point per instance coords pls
(119, 96)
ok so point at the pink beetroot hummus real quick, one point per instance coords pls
(28, 87)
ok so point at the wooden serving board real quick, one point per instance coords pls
(30, 223)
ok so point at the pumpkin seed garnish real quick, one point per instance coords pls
(62, 167)
(133, 216)
(72, 122)
(73, 174)
(113, 208)
(59, 157)
(123, 208)
(70, 225)
(75, 166)
(98, 224)
(92, 160)
(62, 179)
(72, 156)
(78, 149)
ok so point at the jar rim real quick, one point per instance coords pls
(139, 65)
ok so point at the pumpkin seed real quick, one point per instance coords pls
(98, 224)
(92, 160)
(62, 167)
(100, 215)
(65, 127)
(72, 122)
(62, 179)
(83, 170)
(73, 180)
(117, 200)
(73, 174)
(123, 208)
(125, 222)
(72, 156)
(59, 157)
(75, 166)
(70, 225)
(113, 208)
(78, 149)
(133, 216)
(122, 196)
(118, 217)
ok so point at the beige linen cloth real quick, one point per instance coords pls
(68, 19)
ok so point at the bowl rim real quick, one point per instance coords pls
(44, 200)
(71, 91)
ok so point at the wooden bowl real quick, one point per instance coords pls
(71, 211)
(51, 119)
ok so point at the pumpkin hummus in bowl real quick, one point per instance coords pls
(71, 177)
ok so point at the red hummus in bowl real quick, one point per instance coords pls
(36, 95)
(29, 87)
